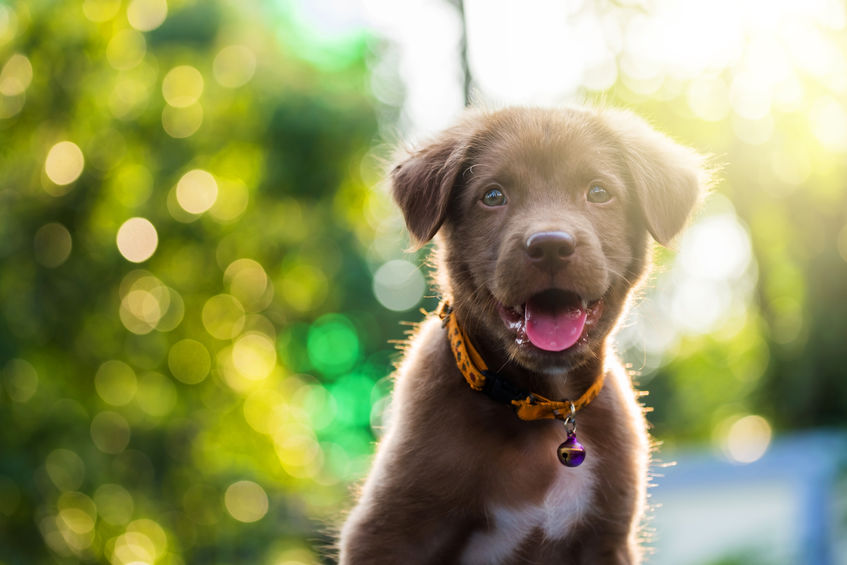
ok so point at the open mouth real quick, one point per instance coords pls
(552, 320)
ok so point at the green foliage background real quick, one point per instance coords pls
(106, 455)
(213, 402)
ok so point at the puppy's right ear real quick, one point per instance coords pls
(423, 183)
(669, 179)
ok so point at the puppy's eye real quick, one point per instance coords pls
(598, 195)
(494, 197)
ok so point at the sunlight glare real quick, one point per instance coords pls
(717, 247)
(829, 124)
(713, 274)
(501, 62)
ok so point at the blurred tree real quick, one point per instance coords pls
(170, 230)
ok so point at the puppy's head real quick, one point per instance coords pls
(543, 217)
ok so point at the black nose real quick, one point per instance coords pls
(550, 247)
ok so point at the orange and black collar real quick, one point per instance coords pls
(527, 405)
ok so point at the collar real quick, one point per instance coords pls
(527, 405)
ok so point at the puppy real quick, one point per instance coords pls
(543, 218)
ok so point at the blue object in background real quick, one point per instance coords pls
(783, 509)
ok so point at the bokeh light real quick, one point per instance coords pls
(182, 86)
(254, 356)
(116, 383)
(147, 304)
(20, 380)
(65, 469)
(52, 244)
(261, 409)
(303, 286)
(398, 285)
(182, 122)
(747, 438)
(298, 451)
(246, 501)
(196, 191)
(146, 15)
(829, 123)
(319, 405)
(75, 520)
(8, 24)
(11, 105)
(352, 394)
(126, 49)
(234, 66)
(248, 283)
(110, 432)
(143, 541)
(64, 164)
(131, 92)
(137, 240)
(114, 503)
(16, 75)
(100, 10)
(223, 316)
(231, 203)
(157, 396)
(189, 361)
(77, 513)
(333, 344)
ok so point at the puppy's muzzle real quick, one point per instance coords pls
(550, 249)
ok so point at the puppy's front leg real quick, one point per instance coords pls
(411, 510)
(389, 528)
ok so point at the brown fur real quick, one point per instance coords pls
(458, 478)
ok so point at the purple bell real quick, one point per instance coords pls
(571, 453)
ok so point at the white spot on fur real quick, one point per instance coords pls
(508, 528)
(564, 505)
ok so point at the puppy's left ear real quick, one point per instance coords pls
(669, 179)
(423, 184)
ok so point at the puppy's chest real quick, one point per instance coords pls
(566, 501)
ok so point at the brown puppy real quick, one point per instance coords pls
(543, 218)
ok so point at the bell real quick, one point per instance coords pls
(571, 453)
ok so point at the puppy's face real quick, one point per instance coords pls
(540, 233)
(544, 224)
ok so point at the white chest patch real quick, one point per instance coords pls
(565, 503)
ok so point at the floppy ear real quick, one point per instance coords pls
(669, 179)
(422, 184)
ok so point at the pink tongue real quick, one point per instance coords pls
(554, 330)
